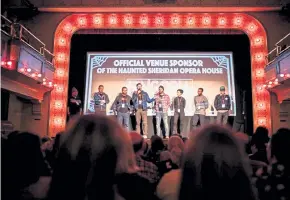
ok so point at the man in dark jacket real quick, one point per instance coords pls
(222, 104)
(122, 106)
(74, 104)
(179, 103)
(140, 99)
(101, 100)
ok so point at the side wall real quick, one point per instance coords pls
(21, 116)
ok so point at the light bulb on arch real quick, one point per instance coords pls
(206, 20)
(98, 19)
(143, 20)
(238, 21)
(222, 21)
(68, 27)
(190, 21)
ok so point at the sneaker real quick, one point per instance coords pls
(145, 136)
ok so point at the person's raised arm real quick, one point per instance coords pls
(148, 100)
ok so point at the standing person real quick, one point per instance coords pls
(201, 104)
(162, 103)
(179, 103)
(74, 104)
(140, 99)
(123, 105)
(222, 104)
(101, 100)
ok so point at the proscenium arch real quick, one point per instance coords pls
(239, 21)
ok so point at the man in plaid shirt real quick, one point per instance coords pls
(147, 169)
(162, 103)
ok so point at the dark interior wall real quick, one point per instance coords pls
(238, 44)
(4, 104)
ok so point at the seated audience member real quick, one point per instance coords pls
(244, 139)
(93, 149)
(51, 155)
(45, 139)
(184, 139)
(273, 182)
(258, 145)
(176, 147)
(215, 167)
(157, 146)
(168, 187)
(171, 159)
(165, 163)
(147, 169)
(25, 174)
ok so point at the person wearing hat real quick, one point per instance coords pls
(74, 104)
(222, 104)
(162, 104)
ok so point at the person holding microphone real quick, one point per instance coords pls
(140, 99)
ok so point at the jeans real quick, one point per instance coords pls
(159, 117)
(123, 119)
(222, 117)
(181, 117)
(196, 118)
(141, 115)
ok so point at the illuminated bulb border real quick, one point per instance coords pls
(240, 21)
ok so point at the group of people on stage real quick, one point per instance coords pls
(124, 105)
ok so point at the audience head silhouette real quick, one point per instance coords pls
(92, 151)
(280, 147)
(215, 167)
